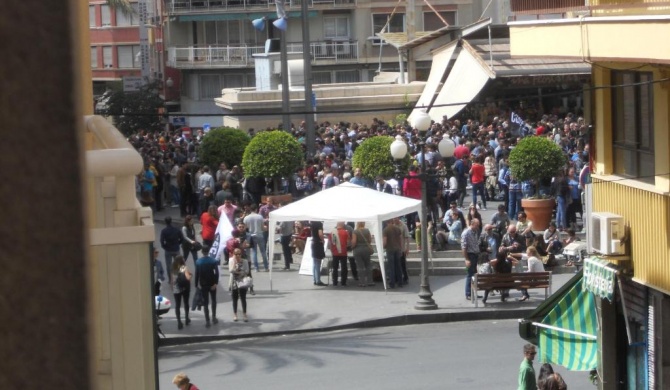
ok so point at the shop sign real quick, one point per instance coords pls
(599, 278)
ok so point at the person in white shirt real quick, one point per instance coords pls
(534, 265)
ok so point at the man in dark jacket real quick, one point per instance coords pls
(171, 239)
(207, 279)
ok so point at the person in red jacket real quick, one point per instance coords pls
(209, 221)
(339, 241)
(478, 179)
(183, 382)
(411, 188)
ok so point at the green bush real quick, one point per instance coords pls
(223, 144)
(272, 154)
(374, 158)
(536, 158)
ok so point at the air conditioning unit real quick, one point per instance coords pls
(606, 231)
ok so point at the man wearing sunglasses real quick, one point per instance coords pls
(526, 371)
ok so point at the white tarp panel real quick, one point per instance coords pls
(349, 203)
(439, 65)
(466, 79)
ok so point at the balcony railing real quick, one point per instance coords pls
(216, 56)
(184, 6)
(540, 7)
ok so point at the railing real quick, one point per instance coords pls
(181, 6)
(216, 56)
(329, 51)
(540, 7)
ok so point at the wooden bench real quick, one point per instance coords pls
(512, 281)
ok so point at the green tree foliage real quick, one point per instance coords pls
(123, 5)
(536, 158)
(374, 158)
(133, 111)
(223, 144)
(272, 154)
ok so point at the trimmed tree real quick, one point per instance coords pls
(133, 111)
(536, 158)
(374, 158)
(223, 144)
(273, 154)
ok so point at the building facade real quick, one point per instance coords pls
(212, 42)
(630, 163)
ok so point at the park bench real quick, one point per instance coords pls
(512, 281)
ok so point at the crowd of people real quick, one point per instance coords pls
(173, 177)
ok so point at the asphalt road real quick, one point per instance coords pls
(462, 355)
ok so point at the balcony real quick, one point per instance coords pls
(205, 6)
(219, 56)
(543, 7)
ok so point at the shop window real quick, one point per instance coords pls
(633, 125)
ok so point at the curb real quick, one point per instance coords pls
(407, 319)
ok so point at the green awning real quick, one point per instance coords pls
(568, 335)
(599, 277)
(240, 16)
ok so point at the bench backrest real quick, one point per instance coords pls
(513, 280)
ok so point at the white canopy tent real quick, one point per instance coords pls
(349, 203)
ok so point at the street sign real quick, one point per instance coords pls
(178, 120)
(132, 83)
(206, 127)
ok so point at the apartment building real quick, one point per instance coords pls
(212, 42)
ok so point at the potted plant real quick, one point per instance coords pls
(535, 159)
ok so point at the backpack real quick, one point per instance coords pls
(183, 283)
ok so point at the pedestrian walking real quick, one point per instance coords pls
(171, 239)
(470, 247)
(526, 370)
(207, 279)
(239, 270)
(318, 251)
(181, 288)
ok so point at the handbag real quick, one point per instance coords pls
(367, 242)
(245, 282)
(196, 246)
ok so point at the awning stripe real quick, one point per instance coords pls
(575, 313)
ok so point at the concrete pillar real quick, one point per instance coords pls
(44, 313)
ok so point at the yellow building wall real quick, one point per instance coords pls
(592, 39)
(646, 215)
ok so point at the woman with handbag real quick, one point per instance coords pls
(239, 269)
(189, 244)
(360, 242)
(181, 288)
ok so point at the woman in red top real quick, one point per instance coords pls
(477, 178)
(339, 241)
(209, 221)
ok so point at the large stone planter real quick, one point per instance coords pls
(539, 211)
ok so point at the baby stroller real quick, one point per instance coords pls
(163, 306)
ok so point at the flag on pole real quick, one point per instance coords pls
(224, 231)
(516, 119)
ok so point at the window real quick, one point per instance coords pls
(347, 76)
(107, 61)
(395, 24)
(128, 56)
(633, 125)
(124, 20)
(210, 86)
(321, 78)
(336, 27)
(91, 16)
(106, 16)
(232, 81)
(432, 22)
(94, 57)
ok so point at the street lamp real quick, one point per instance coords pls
(422, 122)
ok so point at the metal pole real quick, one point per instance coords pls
(426, 301)
(310, 135)
(285, 96)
